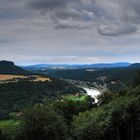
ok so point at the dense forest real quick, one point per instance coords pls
(125, 74)
(15, 96)
(116, 79)
(116, 116)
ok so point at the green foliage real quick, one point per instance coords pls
(15, 96)
(3, 137)
(123, 74)
(106, 97)
(76, 98)
(116, 117)
(40, 123)
(137, 79)
(68, 108)
(117, 120)
(9, 128)
(120, 77)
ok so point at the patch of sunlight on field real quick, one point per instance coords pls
(40, 78)
(8, 77)
(77, 98)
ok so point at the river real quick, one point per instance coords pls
(92, 92)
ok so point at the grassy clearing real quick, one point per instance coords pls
(10, 127)
(76, 98)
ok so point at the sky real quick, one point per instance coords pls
(69, 31)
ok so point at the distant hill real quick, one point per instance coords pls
(76, 66)
(112, 74)
(8, 67)
(36, 67)
(115, 78)
(135, 65)
(111, 65)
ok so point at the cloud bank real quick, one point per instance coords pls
(69, 31)
(112, 17)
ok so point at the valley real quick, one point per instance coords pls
(72, 100)
(69, 69)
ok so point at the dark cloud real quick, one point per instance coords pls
(125, 18)
(64, 13)
(112, 17)
(49, 4)
(116, 30)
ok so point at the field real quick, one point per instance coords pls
(4, 77)
(40, 78)
(76, 98)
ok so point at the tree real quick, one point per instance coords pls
(2, 137)
(40, 123)
(90, 125)
(106, 97)
(69, 108)
(137, 79)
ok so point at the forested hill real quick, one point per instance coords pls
(136, 65)
(93, 75)
(24, 93)
(8, 67)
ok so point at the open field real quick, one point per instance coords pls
(76, 98)
(9, 77)
(35, 78)
(40, 78)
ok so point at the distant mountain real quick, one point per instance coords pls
(75, 66)
(135, 65)
(36, 67)
(8, 67)
(111, 65)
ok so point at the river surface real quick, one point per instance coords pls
(92, 92)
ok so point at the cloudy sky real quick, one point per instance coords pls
(69, 31)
